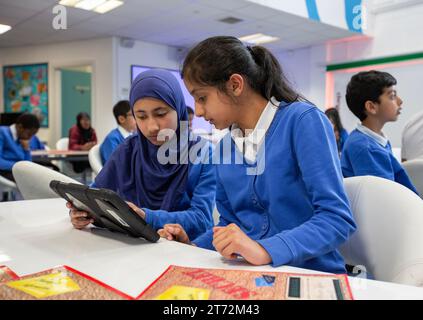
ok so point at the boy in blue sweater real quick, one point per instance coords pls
(15, 143)
(284, 203)
(126, 126)
(372, 97)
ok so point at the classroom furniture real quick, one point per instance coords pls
(389, 238)
(37, 235)
(7, 189)
(63, 144)
(33, 180)
(63, 155)
(95, 159)
(414, 169)
(397, 154)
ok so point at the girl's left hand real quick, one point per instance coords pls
(231, 241)
(139, 211)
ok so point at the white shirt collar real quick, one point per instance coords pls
(14, 132)
(381, 139)
(125, 134)
(250, 144)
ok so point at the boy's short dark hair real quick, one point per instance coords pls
(190, 110)
(121, 109)
(28, 121)
(367, 86)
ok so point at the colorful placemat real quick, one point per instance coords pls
(62, 283)
(6, 274)
(181, 283)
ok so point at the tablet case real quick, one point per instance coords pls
(106, 208)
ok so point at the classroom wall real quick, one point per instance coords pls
(345, 14)
(393, 33)
(111, 74)
(95, 52)
(145, 54)
(305, 68)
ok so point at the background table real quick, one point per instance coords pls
(63, 155)
(37, 235)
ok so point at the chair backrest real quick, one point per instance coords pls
(6, 184)
(94, 158)
(33, 180)
(389, 238)
(62, 144)
(414, 169)
(397, 154)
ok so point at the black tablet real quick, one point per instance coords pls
(106, 208)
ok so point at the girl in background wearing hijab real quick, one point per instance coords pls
(82, 137)
(167, 193)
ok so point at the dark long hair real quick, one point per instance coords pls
(333, 115)
(213, 61)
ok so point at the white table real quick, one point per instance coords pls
(37, 235)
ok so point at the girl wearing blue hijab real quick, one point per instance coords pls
(179, 192)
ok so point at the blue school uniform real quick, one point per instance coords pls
(297, 208)
(170, 191)
(343, 136)
(36, 144)
(368, 154)
(110, 143)
(195, 208)
(11, 151)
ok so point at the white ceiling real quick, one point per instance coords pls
(179, 23)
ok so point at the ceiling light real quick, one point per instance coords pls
(69, 3)
(258, 38)
(99, 6)
(89, 4)
(107, 6)
(4, 28)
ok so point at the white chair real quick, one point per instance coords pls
(33, 180)
(94, 158)
(414, 169)
(397, 154)
(64, 166)
(62, 144)
(389, 238)
(7, 189)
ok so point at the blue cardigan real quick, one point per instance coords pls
(11, 151)
(297, 208)
(36, 144)
(195, 209)
(110, 143)
(364, 156)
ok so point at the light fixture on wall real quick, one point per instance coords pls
(99, 6)
(258, 38)
(4, 28)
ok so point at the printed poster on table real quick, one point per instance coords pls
(181, 283)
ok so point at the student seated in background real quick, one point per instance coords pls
(126, 126)
(412, 138)
(293, 210)
(341, 134)
(160, 192)
(190, 116)
(82, 137)
(372, 97)
(15, 143)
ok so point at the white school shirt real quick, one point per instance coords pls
(250, 144)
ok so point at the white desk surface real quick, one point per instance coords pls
(37, 235)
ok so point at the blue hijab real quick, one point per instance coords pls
(133, 170)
